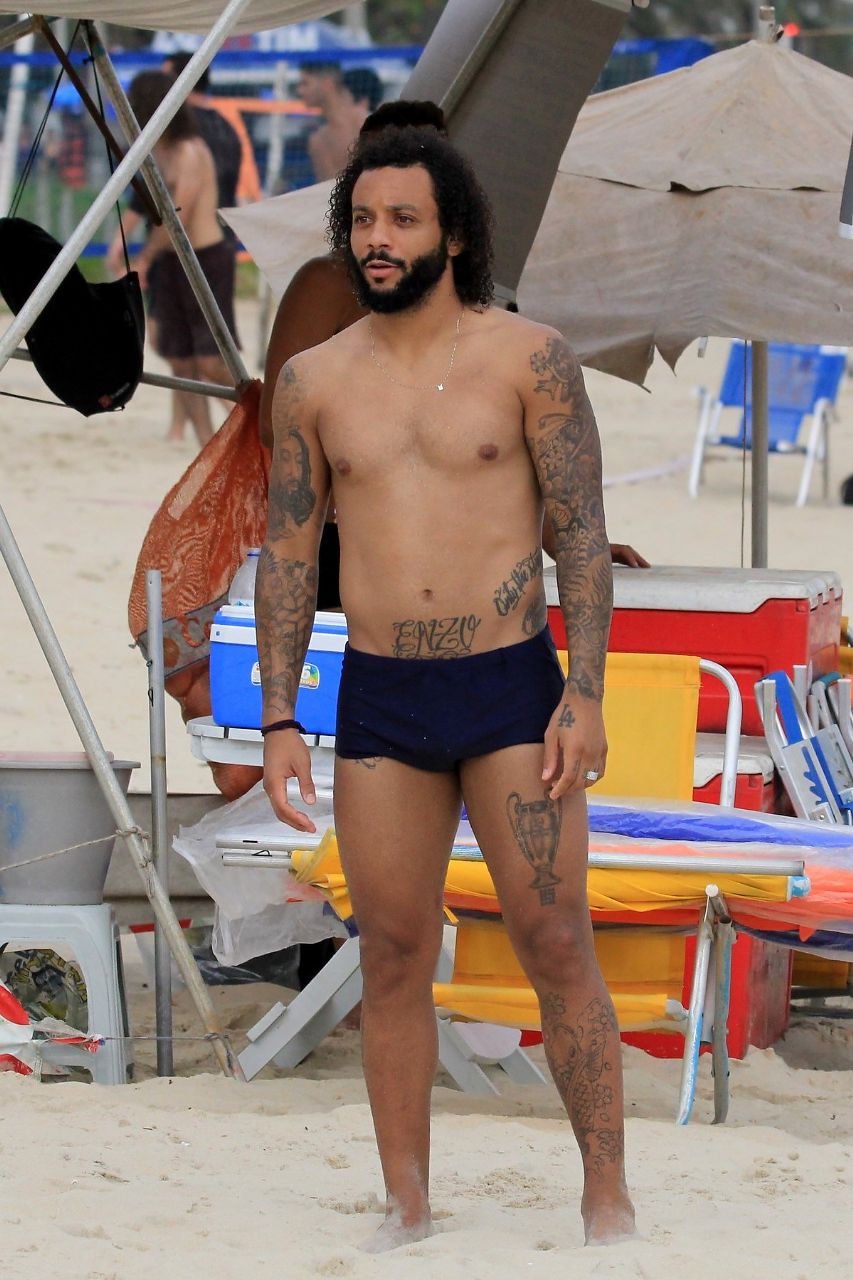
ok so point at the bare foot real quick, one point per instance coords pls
(609, 1223)
(175, 435)
(393, 1234)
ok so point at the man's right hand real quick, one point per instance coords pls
(287, 756)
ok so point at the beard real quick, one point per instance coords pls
(413, 287)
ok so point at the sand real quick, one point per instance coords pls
(280, 1177)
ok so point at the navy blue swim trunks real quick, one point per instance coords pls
(433, 713)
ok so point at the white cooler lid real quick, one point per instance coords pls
(680, 588)
(753, 758)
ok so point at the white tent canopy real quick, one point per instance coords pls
(185, 15)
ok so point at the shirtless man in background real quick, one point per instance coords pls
(183, 335)
(447, 425)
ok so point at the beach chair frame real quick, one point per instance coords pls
(827, 369)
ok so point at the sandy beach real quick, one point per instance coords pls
(280, 1177)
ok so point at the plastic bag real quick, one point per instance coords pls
(264, 909)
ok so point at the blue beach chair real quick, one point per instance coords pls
(803, 383)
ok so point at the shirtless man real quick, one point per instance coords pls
(182, 333)
(447, 426)
(321, 85)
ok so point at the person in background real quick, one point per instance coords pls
(321, 86)
(244, 185)
(229, 159)
(183, 337)
(365, 86)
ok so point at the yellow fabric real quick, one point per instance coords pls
(489, 984)
(651, 701)
(820, 972)
(639, 891)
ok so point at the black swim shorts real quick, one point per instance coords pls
(434, 713)
(182, 330)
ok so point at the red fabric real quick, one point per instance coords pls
(198, 539)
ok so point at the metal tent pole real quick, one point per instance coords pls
(165, 206)
(159, 814)
(114, 795)
(119, 180)
(759, 455)
(216, 389)
(13, 120)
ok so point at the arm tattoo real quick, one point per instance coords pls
(435, 637)
(286, 589)
(285, 596)
(566, 454)
(291, 499)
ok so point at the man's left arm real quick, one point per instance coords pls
(562, 438)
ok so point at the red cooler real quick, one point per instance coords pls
(757, 786)
(752, 621)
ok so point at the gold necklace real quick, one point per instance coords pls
(411, 386)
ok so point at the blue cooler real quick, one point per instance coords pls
(235, 678)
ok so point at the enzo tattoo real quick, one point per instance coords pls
(435, 637)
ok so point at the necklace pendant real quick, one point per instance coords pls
(439, 386)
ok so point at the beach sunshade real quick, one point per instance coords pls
(186, 15)
(87, 344)
(727, 226)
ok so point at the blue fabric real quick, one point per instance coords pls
(432, 714)
(721, 825)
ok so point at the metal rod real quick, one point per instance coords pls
(693, 1034)
(159, 814)
(165, 206)
(216, 389)
(734, 716)
(12, 34)
(115, 797)
(119, 180)
(13, 120)
(760, 438)
(95, 113)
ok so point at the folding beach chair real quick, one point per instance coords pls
(803, 383)
(814, 763)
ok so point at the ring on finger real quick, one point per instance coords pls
(592, 775)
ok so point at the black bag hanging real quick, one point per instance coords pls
(88, 342)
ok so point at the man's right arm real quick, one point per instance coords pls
(286, 588)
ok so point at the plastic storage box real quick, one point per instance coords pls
(752, 621)
(235, 680)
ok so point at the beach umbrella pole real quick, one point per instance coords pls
(115, 797)
(159, 815)
(760, 438)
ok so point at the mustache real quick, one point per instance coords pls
(379, 256)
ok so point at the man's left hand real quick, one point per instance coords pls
(575, 746)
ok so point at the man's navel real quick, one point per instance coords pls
(488, 452)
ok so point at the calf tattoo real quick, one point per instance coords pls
(509, 593)
(536, 827)
(435, 637)
(579, 1057)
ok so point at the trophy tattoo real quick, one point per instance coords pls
(536, 827)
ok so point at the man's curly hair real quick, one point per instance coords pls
(463, 208)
